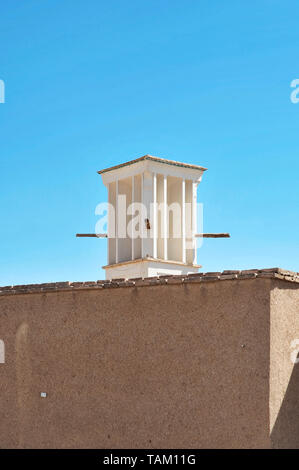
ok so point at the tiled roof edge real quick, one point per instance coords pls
(271, 273)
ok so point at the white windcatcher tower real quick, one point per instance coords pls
(152, 218)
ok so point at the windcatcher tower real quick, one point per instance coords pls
(152, 217)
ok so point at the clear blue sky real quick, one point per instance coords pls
(94, 83)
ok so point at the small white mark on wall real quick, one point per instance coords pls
(2, 352)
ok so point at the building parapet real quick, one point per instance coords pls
(271, 273)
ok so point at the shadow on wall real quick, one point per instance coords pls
(285, 434)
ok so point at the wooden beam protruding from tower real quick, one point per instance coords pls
(212, 235)
(197, 235)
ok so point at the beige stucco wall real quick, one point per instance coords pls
(165, 366)
(137, 367)
(284, 374)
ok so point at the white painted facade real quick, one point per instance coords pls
(151, 218)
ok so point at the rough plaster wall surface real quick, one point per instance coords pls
(168, 366)
(284, 374)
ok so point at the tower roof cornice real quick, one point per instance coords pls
(154, 159)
